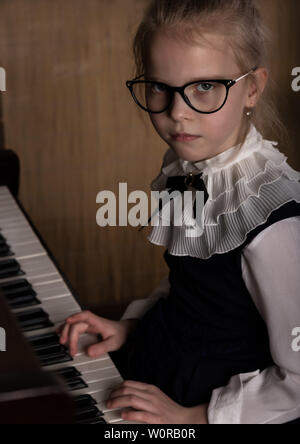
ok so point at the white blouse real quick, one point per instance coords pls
(253, 183)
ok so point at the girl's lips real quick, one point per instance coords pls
(184, 137)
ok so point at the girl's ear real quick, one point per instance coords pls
(257, 86)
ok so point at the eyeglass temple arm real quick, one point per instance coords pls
(137, 78)
(245, 75)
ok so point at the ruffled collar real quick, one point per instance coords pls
(245, 185)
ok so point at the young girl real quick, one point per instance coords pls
(215, 343)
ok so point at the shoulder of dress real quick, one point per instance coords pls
(278, 220)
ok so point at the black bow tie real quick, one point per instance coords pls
(181, 184)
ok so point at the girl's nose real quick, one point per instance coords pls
(179, 109)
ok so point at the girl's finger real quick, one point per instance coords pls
(60, 329)
(83, 316)
(74, 333)
(88, 317)
(99, 349)
(128, 392)
(133, 401)
(64, 334)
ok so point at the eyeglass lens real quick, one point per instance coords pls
(204, 97)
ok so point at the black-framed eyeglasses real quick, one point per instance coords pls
(203, 96)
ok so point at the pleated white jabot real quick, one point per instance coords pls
(245, 185)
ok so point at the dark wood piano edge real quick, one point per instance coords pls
(28, 395)
(10, 170)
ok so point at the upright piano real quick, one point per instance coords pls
(39, 298)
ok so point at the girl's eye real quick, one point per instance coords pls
(204, 87)
(158, 88)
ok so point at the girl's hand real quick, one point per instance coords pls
(114, 333)
(152, 406)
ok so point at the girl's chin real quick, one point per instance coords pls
(189, 154)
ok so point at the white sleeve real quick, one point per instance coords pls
(138, 308)
(270, 266)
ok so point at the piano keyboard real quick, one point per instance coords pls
(41, 299)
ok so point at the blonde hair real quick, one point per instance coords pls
(239, 20)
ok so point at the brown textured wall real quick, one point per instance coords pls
(68, 115)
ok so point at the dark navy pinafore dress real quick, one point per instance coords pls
(207, 329)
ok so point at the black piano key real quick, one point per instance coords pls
(34, 319)
(76, 384)
(19, 294)
(91, 410)
(10, 268)
(41, 342)
(23, 301)
(17, 287)
(49, 350)
(84, 402)
(68, 372)
(58, 355)
(86, 411)
(72, 377)
(95, 421)
(2, 239)
(5, 251)
(90, 415)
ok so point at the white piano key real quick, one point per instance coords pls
(83, 359)
(12, 224)
(59, 318)
(88, 365)
(9, 215)
(91, 365)
(84, 342)
(50, 291)
(51, 307)
(113, 416)
(35, 267)
(18, 235)
(102, 396)
(26, 250)
(7, 204)
(101, 375)
(101, 388)
(44, 280)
